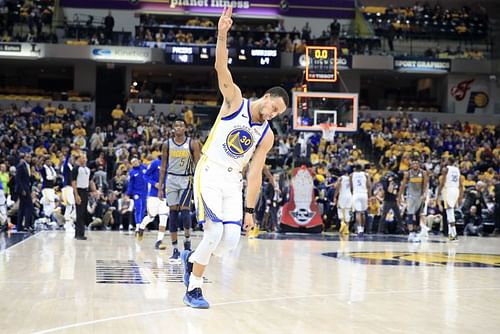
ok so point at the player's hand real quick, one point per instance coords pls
(225, 21)
(78, 200)
(160, 194)
(248, 222)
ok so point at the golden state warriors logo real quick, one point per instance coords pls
(420, 259)
(238, 142)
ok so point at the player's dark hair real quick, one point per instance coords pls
(279, 92)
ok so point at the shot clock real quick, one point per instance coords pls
(321, 63)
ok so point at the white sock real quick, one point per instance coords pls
(160, 236)
(194, 282)
(452, 230)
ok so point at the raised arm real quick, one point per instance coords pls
(231, 92)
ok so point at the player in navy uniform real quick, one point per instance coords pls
(179, 156)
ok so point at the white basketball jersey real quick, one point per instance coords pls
(234, 138)
(359, 182)
(452, 177)
(345, 187)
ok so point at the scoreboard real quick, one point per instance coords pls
(321, 63)
(205, 55)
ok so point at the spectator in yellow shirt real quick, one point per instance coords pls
(188, 116)
(78, 130)
(61, 111)
(40, 151)
(404, 165)
(45, 127)
(50, 110)
(117, 113)
(366, 126)
(56, 127)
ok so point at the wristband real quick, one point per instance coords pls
(249, 210)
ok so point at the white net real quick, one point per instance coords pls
(328, 130)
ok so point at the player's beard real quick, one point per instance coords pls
(261, 116)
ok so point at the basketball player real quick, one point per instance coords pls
(417, 181)
(180, 154)
(67, 190)
(137, 189)
(154, 205)
(452, 190)
(361, 187)
(240, 133)
(343, 200)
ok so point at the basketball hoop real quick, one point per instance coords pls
(328, 130)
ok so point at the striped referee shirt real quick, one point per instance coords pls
(82, 177)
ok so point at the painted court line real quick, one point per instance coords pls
(22, 241)
(248, 301)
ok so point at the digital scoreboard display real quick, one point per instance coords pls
(205, 55)
(321, 63)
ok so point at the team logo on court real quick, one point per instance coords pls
(420, 259)
(238, 142)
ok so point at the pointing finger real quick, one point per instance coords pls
(229, 11)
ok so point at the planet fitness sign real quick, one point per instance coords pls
(209, 3)
(263, 8)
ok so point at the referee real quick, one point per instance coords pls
(80, 183)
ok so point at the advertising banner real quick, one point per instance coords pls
(341, 9)
(472, 94)
(119, 54)
(22, 50)
(301, 213)
(343, 62)
(422, 64)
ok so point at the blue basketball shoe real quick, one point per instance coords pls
(194, 299)
(188, 266)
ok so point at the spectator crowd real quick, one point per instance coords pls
(44, 139)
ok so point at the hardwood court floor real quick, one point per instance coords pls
(51, 283)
